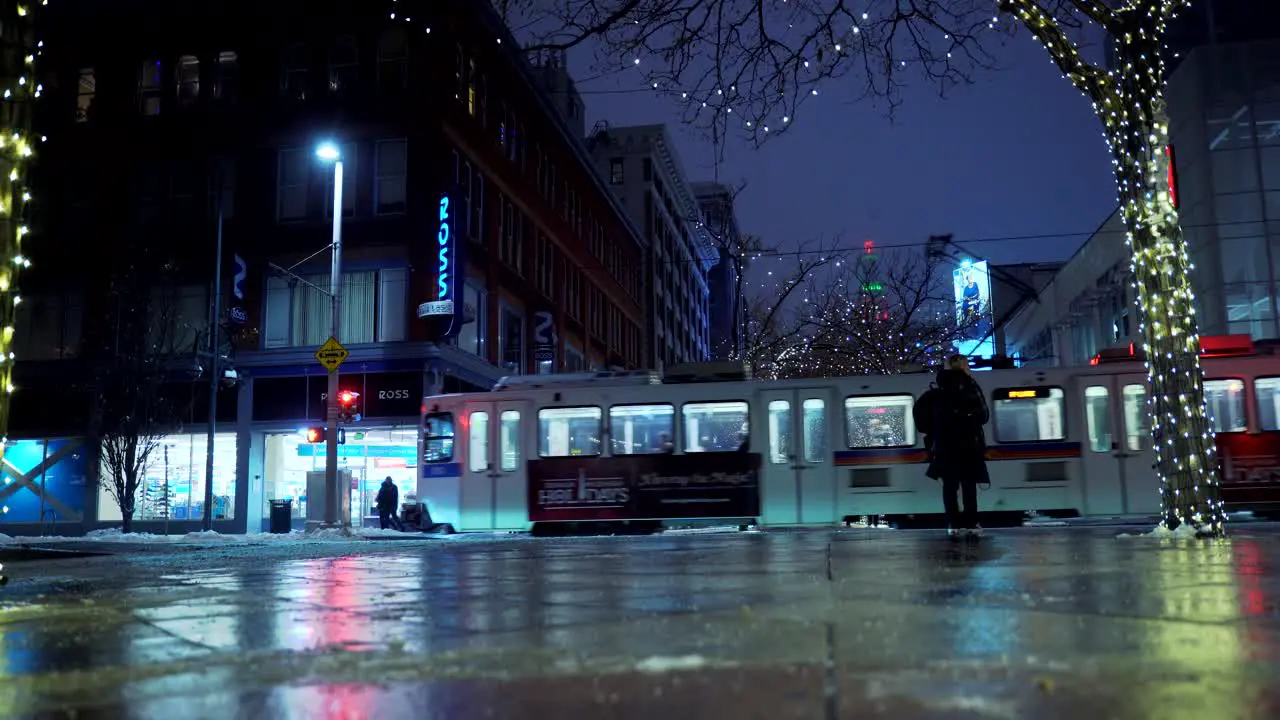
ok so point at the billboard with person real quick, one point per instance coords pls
(972, 282)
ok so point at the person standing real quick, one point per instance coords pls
(388, 501)
(958, 444)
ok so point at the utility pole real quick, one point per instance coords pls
(215, 313)
(333, 493)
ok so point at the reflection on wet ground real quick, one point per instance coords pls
(1050, 622)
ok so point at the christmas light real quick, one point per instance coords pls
(17, 153)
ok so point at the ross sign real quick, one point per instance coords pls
(544, 337)
(236, 313)
(331, 355)
(1250, 470)
(439, 307)
(972, 284)
(636, 487)
(445, 302)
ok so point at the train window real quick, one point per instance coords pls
(879, 421)
(478, 442)
(1137, 428)
(642, 429)
(715, 426)
(779, 431)
(569, 432)
(1226, 404)
(815, 430)
(1268, 392)
(1097, 413)
(509, 440)
(1029, 414)
(437, 438)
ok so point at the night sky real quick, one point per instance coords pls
(1016, 154)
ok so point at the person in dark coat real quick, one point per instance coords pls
(388, 501)
(959, 444)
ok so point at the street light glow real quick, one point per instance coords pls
(328, 152)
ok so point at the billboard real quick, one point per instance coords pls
(40, 476)
(633, 487)
(972, 283)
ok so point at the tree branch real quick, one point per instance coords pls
(1089, 79)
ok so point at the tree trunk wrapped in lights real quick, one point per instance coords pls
(18, 53)
(751, 66)
(1130, 103)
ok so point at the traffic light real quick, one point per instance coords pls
(315, 435)
(348, 403)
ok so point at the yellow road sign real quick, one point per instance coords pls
(331, 354)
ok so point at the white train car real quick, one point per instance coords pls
(636, 447)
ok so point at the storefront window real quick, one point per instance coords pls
(172, 484)
(371, 456)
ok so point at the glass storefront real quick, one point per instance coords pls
(172, 485)
(370, 454)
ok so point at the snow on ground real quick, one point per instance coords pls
(662, 663)
(116, 535)
(1184, 532)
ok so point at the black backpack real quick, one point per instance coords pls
(925, 409)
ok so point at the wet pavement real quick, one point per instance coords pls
(1026, 623)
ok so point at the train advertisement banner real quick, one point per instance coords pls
(1250, 467)
(653, 487)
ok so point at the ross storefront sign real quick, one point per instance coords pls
(382, 395)
(1250, 469)
(445, 303)
(635, 487)
(236, 312)
(544, 336)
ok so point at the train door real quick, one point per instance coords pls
(1118, 475)
(797, 477)
(494, 491)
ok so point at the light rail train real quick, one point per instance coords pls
(634, 447)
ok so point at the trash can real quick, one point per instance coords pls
(281, 517)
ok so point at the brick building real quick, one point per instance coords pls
(183, 104)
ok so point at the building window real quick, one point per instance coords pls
(188, 77)
(511, 340)
(393, 60)
(475, 228)
(291, 192)
(293, 82)
(474, 331)
(173, 477)
(225, 80)
(344, 64)
(511, 240)
(298, 314)
(616, 171)
(390, 170)
(150, 87)
(349, 169)
(573, 359)
(48, 327)
(85, 93)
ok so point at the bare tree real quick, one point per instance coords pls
(778, 316)
(135, 411)
(890, 314)
(750, 65)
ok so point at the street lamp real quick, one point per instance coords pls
(215, 317)
(329, 152)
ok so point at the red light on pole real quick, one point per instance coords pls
(315, 435)
(1172, 175)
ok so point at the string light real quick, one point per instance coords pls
(17, 152)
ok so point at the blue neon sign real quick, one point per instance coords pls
(449, 257)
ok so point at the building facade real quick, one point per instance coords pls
(645, 173)
(185, 111)
(726, 308)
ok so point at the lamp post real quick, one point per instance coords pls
(215, 313)
(329, 152)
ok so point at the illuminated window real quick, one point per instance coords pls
(85, 93)
(879, 421)
(188, 72)
(814, 415)
(1268, 392)
(293, 80)
(437, 438)
(779, 432)
(1097, 413)
(715, 426)
(509, 440)
(478, 442)
(1137, 426)
(344, 64)
(641, 429)
(569, 432)
(1030, 415)
(1226, 405)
